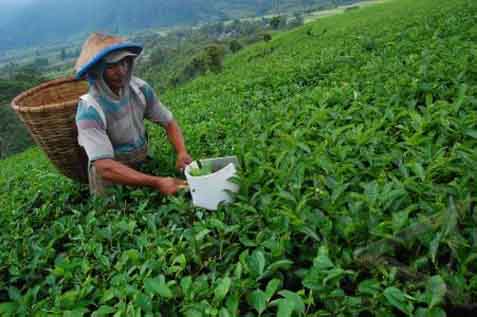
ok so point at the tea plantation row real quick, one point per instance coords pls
(357, 137)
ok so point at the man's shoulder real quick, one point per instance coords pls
(138, 82)
(87, 100)
(144, 89)
(89, 107)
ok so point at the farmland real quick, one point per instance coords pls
(357, 136)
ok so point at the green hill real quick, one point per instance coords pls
(48, 22)
(357, 136)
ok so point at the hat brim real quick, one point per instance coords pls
(117, 56)
(133, 48)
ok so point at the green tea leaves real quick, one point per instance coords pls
(256, 263)
(222, 288)
(258, 300)
(158, 286)
(291, 302)
(398, 299)
(436, 289)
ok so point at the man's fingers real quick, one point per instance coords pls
(181, 184)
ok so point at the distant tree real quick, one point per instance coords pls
(235, 25)
(235, 46)
(267, 37)
(181, 34)
(275, 22)
(197, 66)
(28, 75)
(40, 62)
(298, 20)
(212, 30)
(215, 55)
(11, 69)
(63, 54)
(249, 28)
(283, 22)
(159, 56)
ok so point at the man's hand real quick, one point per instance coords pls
(174, 135)
(169, 185)
(119, 173)
(183, 159)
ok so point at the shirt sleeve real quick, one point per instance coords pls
(155, 110)
(92, 133)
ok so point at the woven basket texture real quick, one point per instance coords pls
(48, 111)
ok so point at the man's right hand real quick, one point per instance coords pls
(119, 173)
(170, 185)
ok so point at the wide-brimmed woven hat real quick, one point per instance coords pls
(97, 46)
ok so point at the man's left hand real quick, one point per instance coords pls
(183, 159)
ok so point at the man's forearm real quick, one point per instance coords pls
(174, 134)
(118, 173)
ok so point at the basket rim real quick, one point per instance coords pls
(15, 102)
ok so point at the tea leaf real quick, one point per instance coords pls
(272, 287)
(223, 288)
(104, 311)
(436, 289)
(397, 298)
(370, 287)
(158, 286)
(258, 300)
(256, 262)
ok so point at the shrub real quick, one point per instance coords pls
(215, 57)
(235, 46)
(276, 22)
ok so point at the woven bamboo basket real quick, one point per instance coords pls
(48, 111)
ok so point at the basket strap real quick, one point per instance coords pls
(91, 101)
(138, 91)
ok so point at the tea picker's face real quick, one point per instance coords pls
(115, 75)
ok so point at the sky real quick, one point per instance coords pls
(11, 7)
(14, 2)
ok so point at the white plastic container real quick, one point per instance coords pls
(208, 191)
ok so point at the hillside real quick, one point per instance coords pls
(357, 136)
(48, 21)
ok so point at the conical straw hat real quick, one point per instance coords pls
(97, 46)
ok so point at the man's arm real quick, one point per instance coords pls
(158, 113)
(116, 172)
(174, 134)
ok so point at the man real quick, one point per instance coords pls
(110, 118)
